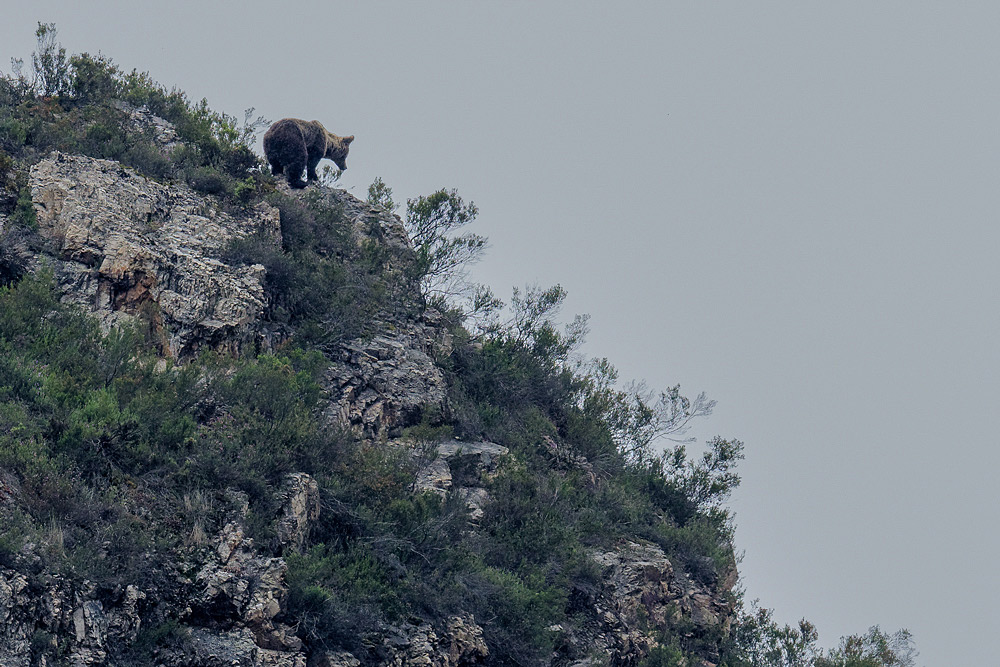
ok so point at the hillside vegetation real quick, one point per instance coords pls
(119, 465)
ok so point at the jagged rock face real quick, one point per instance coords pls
(239, 583)
(337, 659)
(465, 467)
(209, 648)
(640, 593)
(125, 247)
(458, 644)
(300, 500)
(380, 385)
(144, 120)
(34, 621)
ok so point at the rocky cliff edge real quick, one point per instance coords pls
(132, 250)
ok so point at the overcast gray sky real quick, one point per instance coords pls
(791, 206)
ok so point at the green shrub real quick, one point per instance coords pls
(13, 133)
(43, 644)
(6, 168)
(12, 265)
(246, 190)
(150, 640)
(209, 181)
(93, 79)
(106, 140)
(147, 158)
(665, 656)
(321, 281)
(24, 209)
(518, 611)
(338, 596)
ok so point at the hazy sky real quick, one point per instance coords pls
(791, 206)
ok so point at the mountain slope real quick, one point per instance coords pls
(234, 430)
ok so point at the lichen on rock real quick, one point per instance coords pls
(127, 247)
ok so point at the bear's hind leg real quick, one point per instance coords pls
(295, 164)
(276, 168)
(293, 171)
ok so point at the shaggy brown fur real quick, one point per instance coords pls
(292, 145)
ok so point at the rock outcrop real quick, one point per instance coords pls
(126, 248)
(463, 467)
(233, 596)
(133, 250)
(458, 643)
(36, 615)
(301, 505)
(144, 121)
(640, 594)
(383, 384)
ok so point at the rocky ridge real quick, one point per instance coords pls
(132, 250)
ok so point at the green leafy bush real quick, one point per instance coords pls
(94, 79)
(323, 281)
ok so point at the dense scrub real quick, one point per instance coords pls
(322, 284)
(117, 459)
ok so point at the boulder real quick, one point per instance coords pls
(300, 508)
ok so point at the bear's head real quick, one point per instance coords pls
(337, 148)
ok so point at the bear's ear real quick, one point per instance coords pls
(349, 139)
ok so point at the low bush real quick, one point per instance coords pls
(85, 104)
(321, 281)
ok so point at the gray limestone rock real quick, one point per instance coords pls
(384, 384)
(641, 592)
(336, 659)
(240, 586)
(300, 508)
(16, 619)
(232, 648)
(63, 615)
(124, 247)
(463, 466)
(242, 590)
(142, 119)
(459, 643)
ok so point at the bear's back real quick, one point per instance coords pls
(313, 133)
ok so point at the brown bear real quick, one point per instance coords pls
(291, 145)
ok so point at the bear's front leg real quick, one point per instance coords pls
(311, 169)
